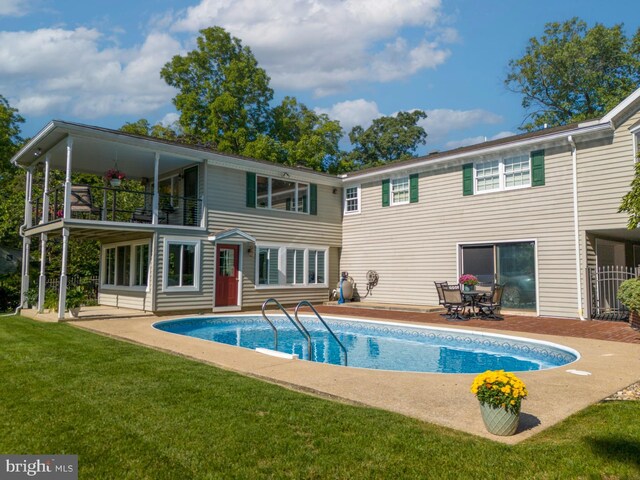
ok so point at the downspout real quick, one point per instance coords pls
(574, 159)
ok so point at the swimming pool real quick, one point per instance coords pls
(380, 346)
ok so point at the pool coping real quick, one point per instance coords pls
(442, 399)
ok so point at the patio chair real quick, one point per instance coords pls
(141, 215)
(490, 307)
(439, 286)
(486, 289)
(454, 302)
(82, 201)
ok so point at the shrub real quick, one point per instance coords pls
(629, 294)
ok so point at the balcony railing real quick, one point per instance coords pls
(110, 204)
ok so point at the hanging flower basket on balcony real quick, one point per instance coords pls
(114, 177)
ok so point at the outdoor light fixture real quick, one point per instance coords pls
(37, 153)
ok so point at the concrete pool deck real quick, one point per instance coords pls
(442, 399)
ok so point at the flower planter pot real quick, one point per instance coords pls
(469, 288)
(75, 312)
(499, 421)
(115, 182)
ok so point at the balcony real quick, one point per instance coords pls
(115, 204)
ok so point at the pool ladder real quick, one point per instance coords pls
(299, 326)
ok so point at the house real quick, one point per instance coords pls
(217, 232)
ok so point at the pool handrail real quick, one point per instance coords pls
(296, 323)
(308, 304)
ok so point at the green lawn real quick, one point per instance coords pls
(132, 412)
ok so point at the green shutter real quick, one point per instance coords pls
(537, 168)
(251, 190)
(413, 188)
(313, 199)
(385, 192)
(467, 179)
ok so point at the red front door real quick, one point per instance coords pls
(227, 275)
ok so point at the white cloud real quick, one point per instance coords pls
(326, 44)
(440, 122)
(474, 140)
(169, 119)
(13, 8)
(59, 71)
(352, 112)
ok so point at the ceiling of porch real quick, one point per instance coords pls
(96, 150)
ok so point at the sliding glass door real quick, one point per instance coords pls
(510, 264)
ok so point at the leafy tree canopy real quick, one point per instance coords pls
(143, 127)
(10, 140)
(224, 95)
(573, 73)
(386, 140)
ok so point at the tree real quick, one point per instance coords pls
(386, 140)
(143, 127)
(631, 201)
(10, 140)
(305, 137)
(11, 178)
(573, 73)
(224, 95)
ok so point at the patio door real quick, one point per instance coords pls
(510, 264)
(227, 277)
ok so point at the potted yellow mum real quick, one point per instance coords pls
(500, 394)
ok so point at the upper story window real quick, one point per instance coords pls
(503, 174)
(352, 200)
(125, 265)
(281, 194)
(636, 144)
(280, 266)
(399, 190)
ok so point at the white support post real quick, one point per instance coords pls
(204, 212)
(67, 181)
(28, 203)
(26, 241)
(62, 300)
(45, 195)
(42, 281)
(156, 200)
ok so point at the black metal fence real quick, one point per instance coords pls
(90, 285)
(603, 284)
(115, 204)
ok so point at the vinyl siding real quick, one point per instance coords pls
(226, 206)
(413, 245)
(125, 299)
(201, 300)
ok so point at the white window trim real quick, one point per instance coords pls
(635, 137)
(132, 261)
(282, 266)
(196, 268)
(358, 197)
(501, 175)
(296, 197)
(391, 180)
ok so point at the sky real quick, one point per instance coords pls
(98, 62)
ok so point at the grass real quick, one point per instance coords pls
(132, 412)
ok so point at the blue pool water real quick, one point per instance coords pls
(381, 346)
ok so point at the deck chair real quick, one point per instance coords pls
(439, 286)
(142, 215)
(454, 302)
(490, 307)
(82, 201)
(486, 289)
